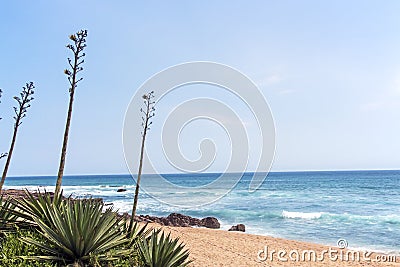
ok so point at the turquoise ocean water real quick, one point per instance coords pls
(362, 207)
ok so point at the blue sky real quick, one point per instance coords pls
(330, 71)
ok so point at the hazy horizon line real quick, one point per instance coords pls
(169, 173)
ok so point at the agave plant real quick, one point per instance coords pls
(75, 230)
(160, 250)
(7, 216)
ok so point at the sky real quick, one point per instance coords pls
(330, 71)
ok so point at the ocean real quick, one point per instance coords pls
(362, 207)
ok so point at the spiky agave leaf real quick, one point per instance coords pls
(135, 231)
(160, 250)
(7, 216)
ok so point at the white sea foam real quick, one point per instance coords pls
(301, 215)
(32, 188)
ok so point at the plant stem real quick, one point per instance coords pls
(148, 110)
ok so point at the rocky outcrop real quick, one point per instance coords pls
(239, 227)
(177, 219)
(210, 222)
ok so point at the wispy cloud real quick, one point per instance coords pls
(274, 81)
(270, 79)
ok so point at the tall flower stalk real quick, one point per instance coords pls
(148, 113)
(75, 64)
(20, 112)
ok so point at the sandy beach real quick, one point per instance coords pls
(222, 248)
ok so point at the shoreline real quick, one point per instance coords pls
(224, 227)
(217, 247)
(224, 233)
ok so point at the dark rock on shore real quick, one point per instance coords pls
(121, 190)
(210, 222)
(239, 227)
(177, 219)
